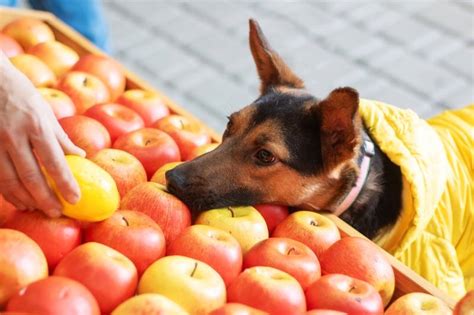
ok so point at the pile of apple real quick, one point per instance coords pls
(148, 257)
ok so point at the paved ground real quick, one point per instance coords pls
(415, 54)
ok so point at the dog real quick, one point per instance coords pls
(381, 169)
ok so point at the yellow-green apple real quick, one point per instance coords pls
(34, 69)
(288, 255)
(109, 275)
(268, 289)
(106, 69)
(346, 294)
(149, 304)
(246, 224)
(9, 46)
(361, 259)
(313, 229)
(237, 309)
(126, 170)
(60, 103)
(147, 104)
(55, 236)
(465, 306)
(159, 176)
(86, 133)
(417, 303)
(191, 283)
(325, 312)
(187, 133)
(21, 263)
(117, 118)
(203, 149)
(54, 296)
(154, 148)
(132, 233)
(216, 247)
(57, 56)
(84, 89)
(273, 214)
(28, 32)
(171, 214)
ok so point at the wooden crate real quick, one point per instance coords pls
(406, 279)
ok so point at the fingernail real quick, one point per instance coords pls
(54, 213)
(74, 196)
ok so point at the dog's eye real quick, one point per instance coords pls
(265, 157)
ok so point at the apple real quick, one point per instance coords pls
(7, 210)
(55, 236)
(9, 46)
(191, 283)
(346, 294)
(201, 150)
(117, 118)
(54, 296)
(160, 174)
(60, 103)
(171, 214)
(57, 56)
(34, 69)
(84, 89)
(28, 32)
(465, 305)
(289, 256)
(237, 309)
(21, 263)
(268, 289)
(419, 303)
(106, 69)
(187, 134)
(310, 228)
(273, 214)
(147, 104)
(215, 247)
(126, 170)
(87, 133)
(109, 275)
(149, 304)
(325, 312)
(246, 224)
(154, 148)
(361, 259)
(133, 234)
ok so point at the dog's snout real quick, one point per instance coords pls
(175, 180)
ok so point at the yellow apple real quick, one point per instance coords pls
(59, 57)
(34, 69)
(418, 303)
(149, 303)
(159, 176)
(28, 32)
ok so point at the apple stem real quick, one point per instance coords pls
(84, 82)
(313, 223)
(147, 142)
(194, 270)
(182, 124)
(291, 250)
(231, 211)
(126, 221)
(351, 289)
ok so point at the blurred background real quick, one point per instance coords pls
(413, 54)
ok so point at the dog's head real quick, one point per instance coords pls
(287, 147)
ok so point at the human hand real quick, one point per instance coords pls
(29, 134)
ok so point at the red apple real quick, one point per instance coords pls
(346, 294)
(55, 236)
(273, 215)
(268, 289)
(288, 255)
(86, 133)
(237, 309)
(465, 306)
(84, 89)
(21, 263)
(361, 259)
(206, 148)
(117, 118)
(154, 148)
(7, 210)
(9, 46)
(216, 247)
(187, 134)
(109, 275)
(416, 303)
(28, 32)
(57, 56)
(126, 170)
(325, 312)
(34, 69)
(60, 103)
(147, 104)
(106, 69)
(160, 174)
(54, 296)
(310, 228)
(149, 304)
(132, 233)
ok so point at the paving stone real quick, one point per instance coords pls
(458, 98)
(410, 32)
(354, 42)
(440, 46)
(462, 60)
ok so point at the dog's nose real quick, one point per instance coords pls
(175, 181)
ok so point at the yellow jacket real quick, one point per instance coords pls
(435, 233)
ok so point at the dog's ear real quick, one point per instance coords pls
(271, 68)
(339, 126)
